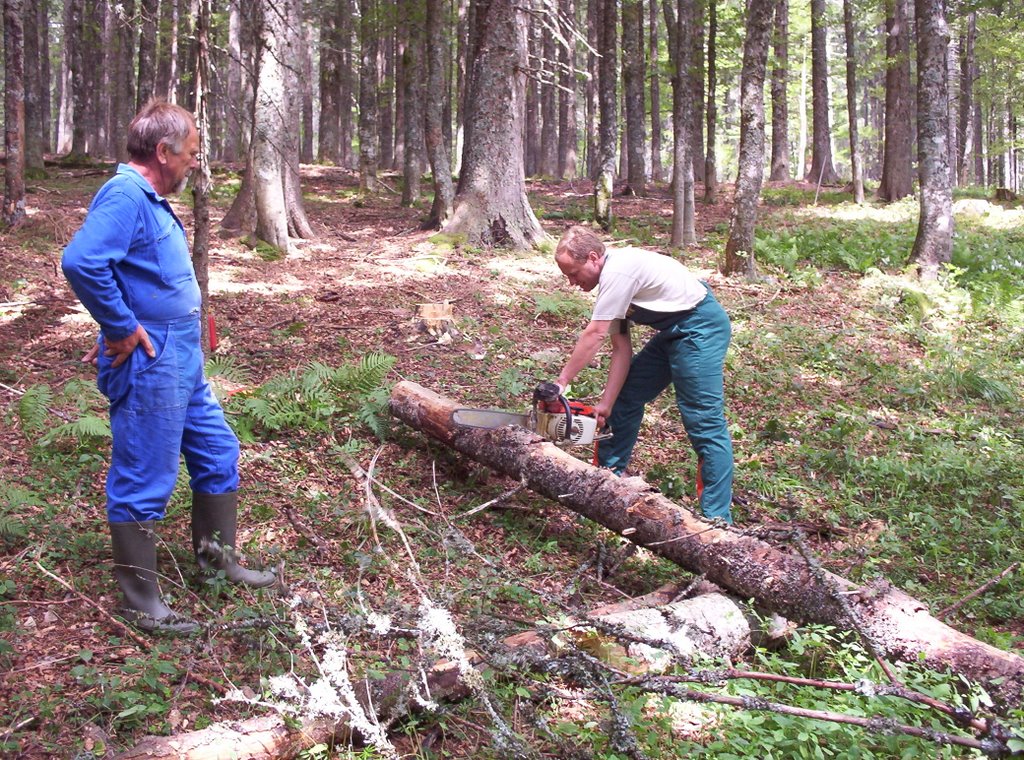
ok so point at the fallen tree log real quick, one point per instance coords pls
(897, 626)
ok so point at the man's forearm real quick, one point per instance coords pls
(587, 346)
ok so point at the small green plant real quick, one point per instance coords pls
(560, 306)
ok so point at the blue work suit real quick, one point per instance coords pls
(129, 264)
(689, 354)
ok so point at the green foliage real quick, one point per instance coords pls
(560, 306)
(39, 405)
(318, 398)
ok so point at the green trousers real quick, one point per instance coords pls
(689, 355)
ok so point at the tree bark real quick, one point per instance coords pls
(780, 95)
(491, 207)
(856, 162)
(165, 79)
(549, 107)
(148, 11)
(329, 147)
(710, 159)
(898, 625)
(604, 184)
(739, 248)
(369, 157)
(412, 102)
(822, 170)
(201, 186)
(897, 179)
(681, 40)
(568, 122)
(657, 172)
(696, 74)
(14, 113)
(933, 245)
(633, 91)
(433, 103)
(37, 86)
(965, 122)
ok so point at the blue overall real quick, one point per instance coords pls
(690, 355)
(129, 264)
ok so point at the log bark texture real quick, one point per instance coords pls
(899, 626)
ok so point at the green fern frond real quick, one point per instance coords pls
(87, 429)
(33, 409)
(229, 369)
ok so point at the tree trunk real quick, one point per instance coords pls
(856, 163)
(124, 91)
(633, 91)
(898, 626)
(549, 108)
(657, 172)
(822, 171)
(201, 186)
(385, 85)
(37, 88)
(166, 75)
(965, 122)
(412, 102)
(604, 185)
(933, 245)
(346, 84)
(369, 157)
(14, 113)
(531, 155)
(568, 126)
(739, 248)
(491, 207)
(780, 95)
(591, 91)
(710, 160)
(897, 179)
(148, 11)
(329, 147)
(433, 103)
(306, 92)
(681, 39)
(236, 114)
(696, 74)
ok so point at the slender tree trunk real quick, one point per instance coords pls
(347, 80)
(633, 90)
(822, 170)
(934, 242)
(531, 158)
(329, 147)
(568, 127)
(37, 89)
(965, 124)
(549, 108)
(604, 185)
(739, 249)
(434, 98)
(166, 76)
(683, 92)
(235, 111)
(412, 64)
(657, 171)
(386, 83)
(43, 27)
(696, 74)
(801, 150)
(979, 161)
(369, 158)
(856, 163)
(491, 207)
(780, 95)
(201, 186)
(149, 11)
(124, 92)
(592, 106)
(65, 86)
(14, 113)
(306, 94)
(710, 167)
(897, 177)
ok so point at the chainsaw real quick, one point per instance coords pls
(552, 416)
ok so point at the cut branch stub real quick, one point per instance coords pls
(899, 626)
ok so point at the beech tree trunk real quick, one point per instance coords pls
(657, 172)
(780, 94)
(14, 113)
(633, 95)
(898, 625)
(37, 86)
(710, 158)
(148, 11)
(933, 245)
(568, 126)
(549, 108)
(856, 162)
(822, 170)
(968, 75)
(739, 248)
(437, 144)
(369, 157)
(604, 184)
(897, 179)
(491, 207)
(681, 39)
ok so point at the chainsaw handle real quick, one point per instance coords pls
(550, 393)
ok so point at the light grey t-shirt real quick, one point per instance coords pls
(647, 287)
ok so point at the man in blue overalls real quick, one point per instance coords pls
(129, 264)
(688, 351)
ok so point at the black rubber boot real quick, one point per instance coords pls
(134, 545)
(214, 526)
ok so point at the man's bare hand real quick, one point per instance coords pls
(122, 349)
(91, 355)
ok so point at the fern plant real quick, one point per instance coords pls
(85, 427)
(318, 398)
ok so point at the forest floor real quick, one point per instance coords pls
(75, 683)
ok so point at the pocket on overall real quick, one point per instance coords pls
(158, 382)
